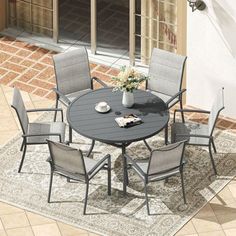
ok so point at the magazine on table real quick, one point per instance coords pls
(128, 121)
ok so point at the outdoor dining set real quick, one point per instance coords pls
(151, 104)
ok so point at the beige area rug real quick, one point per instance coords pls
(116, 215)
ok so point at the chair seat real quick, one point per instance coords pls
(187, 128)
(89, 165)
(164, 97)
(45, 128)
(144, 167)
(73, 96)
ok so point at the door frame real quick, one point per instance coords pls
(3, 14)
(55, 20)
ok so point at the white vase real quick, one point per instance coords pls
(128, 99)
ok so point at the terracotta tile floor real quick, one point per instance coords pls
(27, 67)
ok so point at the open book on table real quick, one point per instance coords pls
(128, 121)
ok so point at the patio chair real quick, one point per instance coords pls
(73, 78)
(166, 71)
(162, 164)
(36, 133)
(200, 134)
(71, 164)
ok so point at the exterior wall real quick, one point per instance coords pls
(2, 14)
(211, 54)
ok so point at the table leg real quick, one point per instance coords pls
(125, 177)
(147, 145)
(70, 134)
(166, 134)
(91, 148)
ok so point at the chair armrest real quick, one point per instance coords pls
(134, 164)
(175, 96)
(107, 157)
(190, 110)
(47, 109)
(40, 135)
(99, 81)
(61, 95)
(194, 135)
(44, 109)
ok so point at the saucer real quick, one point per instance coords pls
(105, 111)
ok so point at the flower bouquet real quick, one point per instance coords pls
(127, 81)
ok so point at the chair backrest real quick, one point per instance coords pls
(217, 107)
(166, 158)
(19, 106)
(72, 71)
(66, 158)
(166, 72)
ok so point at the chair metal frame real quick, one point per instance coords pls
(87, 176)
(211, 142)
(178, 96)
(145, 176)
(66, 102)
(26, 135)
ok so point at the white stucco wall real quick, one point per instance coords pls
(211, 50)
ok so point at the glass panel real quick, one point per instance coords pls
(43, 3)
(42, 17)
(32, 15)
(158, 26)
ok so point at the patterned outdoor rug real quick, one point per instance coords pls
(116, 215)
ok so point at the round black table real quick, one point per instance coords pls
(84, 119)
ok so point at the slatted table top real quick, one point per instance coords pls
(84, 119)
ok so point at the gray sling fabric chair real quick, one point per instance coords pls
(70, 163)
(200, 134)
(36, 133)
(166, 71)
(72, 77)
(162, 164)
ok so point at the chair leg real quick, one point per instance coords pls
(214, 146)
(91, 148)
(146, 197)
(125, 171)
(22, 145)
(50, 187)
(212, 159)
(147, 145)
(181, 107)
(86, 198)
(56, 106)
(166, 134)
(22, 158)
(109, 177)
(126, 177)
(183, 188)
(70, 134)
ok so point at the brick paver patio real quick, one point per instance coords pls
(30, 68)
